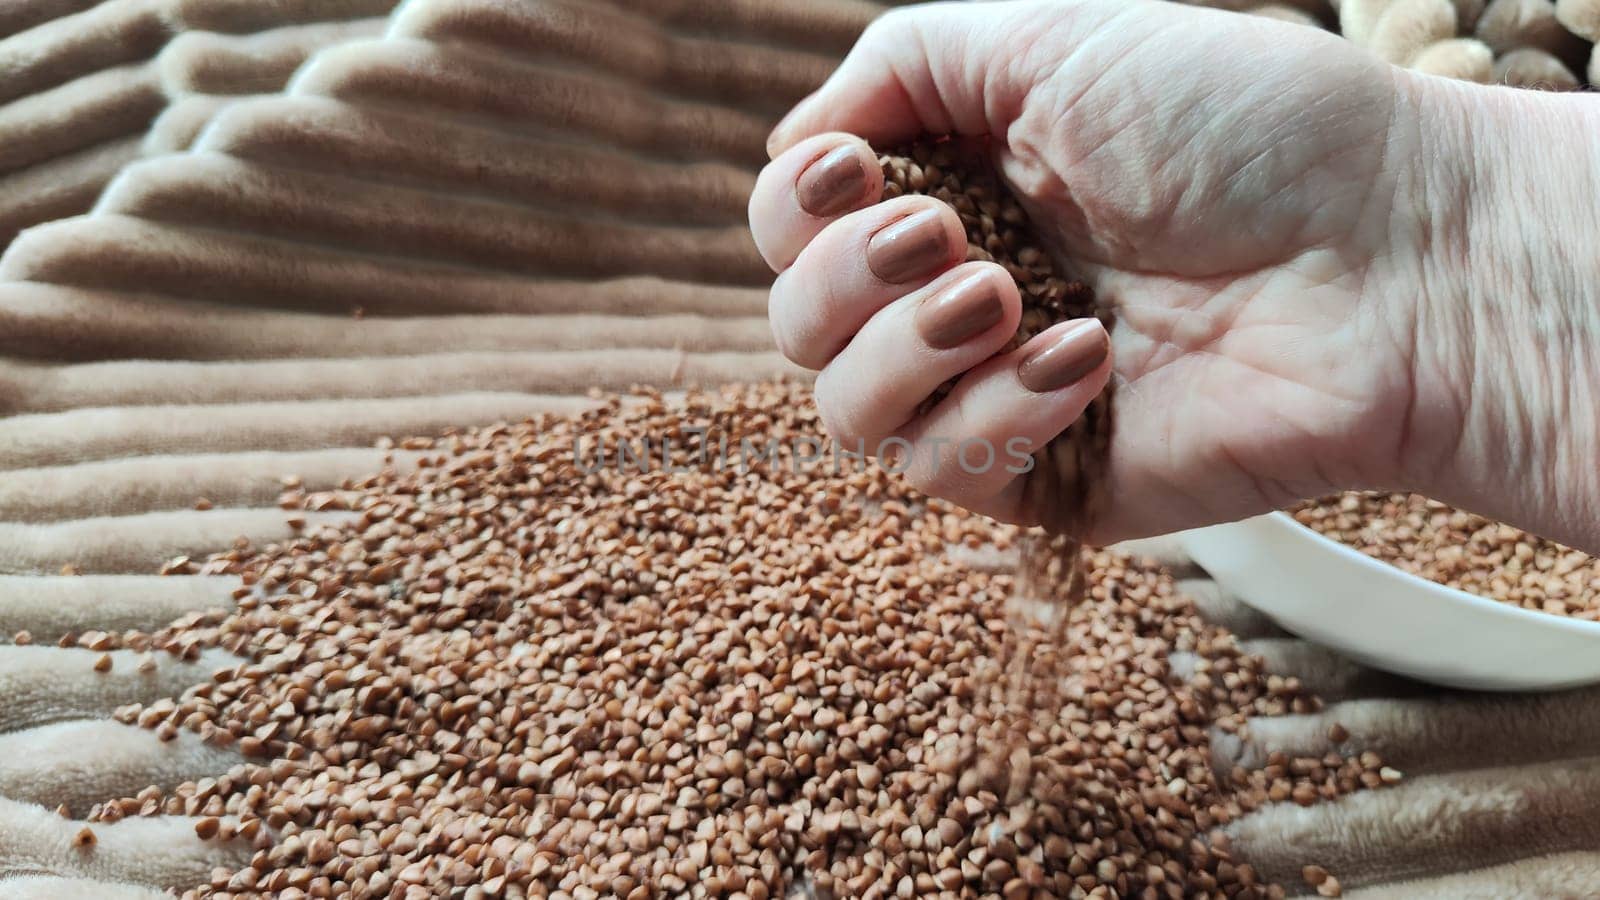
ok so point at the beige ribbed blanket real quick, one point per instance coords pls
(87, 87)
(479, 211)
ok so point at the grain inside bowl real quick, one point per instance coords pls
(1461, 550)
(517, 673)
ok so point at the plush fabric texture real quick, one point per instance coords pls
(479, 211)
(87, 87)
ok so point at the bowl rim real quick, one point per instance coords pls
(1482, 604)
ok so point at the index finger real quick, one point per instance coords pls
(918, 70)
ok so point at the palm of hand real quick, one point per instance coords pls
(1235, 226)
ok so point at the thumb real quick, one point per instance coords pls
(945, 68)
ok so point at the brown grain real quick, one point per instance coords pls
(1462, 550)
(511, 677)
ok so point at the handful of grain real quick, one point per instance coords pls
(998, 231)
(524, 671)
(1461, 550)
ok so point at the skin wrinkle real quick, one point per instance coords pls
(1269, 150)
(1273, 146)
(1403, 345)
(1218, 330)
(1322, 476)
(833, 417)
(1018, 69)
(1277, 490)
(1531, 306)
(1201, 108)
(1265, 372)
(1096, 147)
(1081, 221)
(1170, 338)
(1102, 32)
(1586, 417)
(782, 338)
(1369, 285)
(1095, 232)
(1464, 388)
(972, 81)
(1356, 143)
(1517, 418)
(1560, 337)
(1354, 146)
(929, 105)
(1566, 326)
(1403, 338)
(946, 475)
(1274, 490)
(1497, 412)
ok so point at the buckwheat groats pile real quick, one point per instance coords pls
(998, 231)
(1462, 550)
(526, 668)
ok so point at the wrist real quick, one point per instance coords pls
(1507, 313)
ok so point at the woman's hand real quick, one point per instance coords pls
(1275, 217)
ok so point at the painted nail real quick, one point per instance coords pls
(1077, 349)
(960, 312)
(834, 183)
(909, 248)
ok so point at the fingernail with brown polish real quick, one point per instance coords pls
(833, 184)
(909, 248)
(1078, 349)
(960, 313)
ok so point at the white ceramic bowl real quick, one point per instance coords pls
(1379, 615)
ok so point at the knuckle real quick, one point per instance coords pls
(838, 414)
(796, 348)
(789, 332)
(840, 432)
(780, 337)
(936, 472)
(806, 351)
(760, 229)
(842, 435)
(886, 30)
